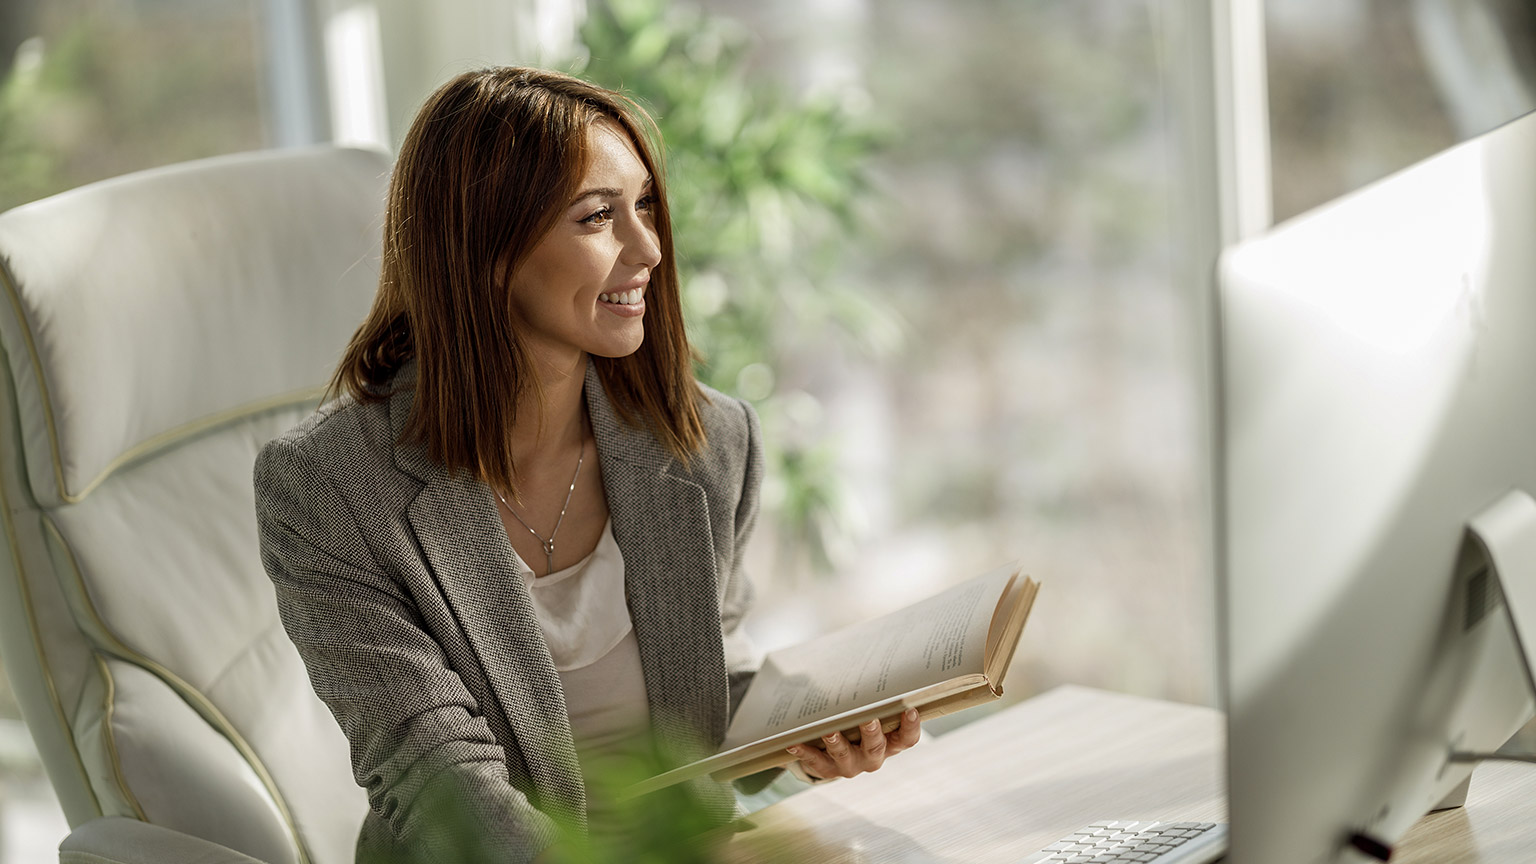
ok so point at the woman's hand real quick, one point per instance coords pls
(843, 758)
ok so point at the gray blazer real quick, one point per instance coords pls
(396, 582)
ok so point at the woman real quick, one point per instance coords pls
(514, 544)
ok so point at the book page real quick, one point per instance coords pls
(932, 641)
(1007, 626)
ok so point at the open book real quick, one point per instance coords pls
(939, 655)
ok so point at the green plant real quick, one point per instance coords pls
(668, 826)
(664, 827)
(103, 90)
(764, 191)
(28, 166)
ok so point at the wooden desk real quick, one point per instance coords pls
(1498, 824)
(1008, 785)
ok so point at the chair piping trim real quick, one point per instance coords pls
(148, 445)
(37, 368)
(109, 736)
(42, 655)
(187, 430)
(75, 856)
(189, 694)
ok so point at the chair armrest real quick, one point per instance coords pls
(116, 840)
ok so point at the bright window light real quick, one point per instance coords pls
(355, 69)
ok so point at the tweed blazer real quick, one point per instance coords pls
(397, 583)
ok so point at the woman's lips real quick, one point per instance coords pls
(628, 303)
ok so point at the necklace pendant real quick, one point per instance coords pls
(549, 546)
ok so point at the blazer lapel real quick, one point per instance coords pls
(465, 545)
(661, 522)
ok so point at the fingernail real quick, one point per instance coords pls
(794, 751)
(873, 725)
(830, 739)
(912, 714)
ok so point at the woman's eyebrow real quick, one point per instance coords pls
(605, 192)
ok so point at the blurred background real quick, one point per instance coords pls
(956, 253)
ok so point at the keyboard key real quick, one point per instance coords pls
(1128, 842)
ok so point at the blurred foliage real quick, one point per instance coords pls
(764, 192)
(665, 827)
(28, 166)
(102, 88)
(668, 826)
(1351, 99)
(1040, 141)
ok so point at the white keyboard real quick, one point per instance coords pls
(1138, 843)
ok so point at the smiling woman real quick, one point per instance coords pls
(510, 552)
(582, 288)
(485, 223)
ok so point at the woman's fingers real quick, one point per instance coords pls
(843, 758)
(907, 734)
(842, 754)
(816, 763)
(872, 744)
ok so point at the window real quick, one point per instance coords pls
(1042, 402)
(92, 89)
(1359, 89)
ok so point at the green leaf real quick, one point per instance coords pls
(649, 44)
(764, 191)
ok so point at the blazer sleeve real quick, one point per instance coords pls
(433, 771)
(741, 656)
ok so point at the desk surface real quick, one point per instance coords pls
(1002, 788)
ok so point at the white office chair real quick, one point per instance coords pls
(157, 329)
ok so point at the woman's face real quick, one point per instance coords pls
(582, 289)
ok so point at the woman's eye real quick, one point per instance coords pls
(646, 204)
(601, 217)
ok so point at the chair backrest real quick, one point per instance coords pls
(157, 329)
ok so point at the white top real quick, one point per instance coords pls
(582, 609)
(585, 618)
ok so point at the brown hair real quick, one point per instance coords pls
(480, 179)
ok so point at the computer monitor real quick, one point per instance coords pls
(1377, 410)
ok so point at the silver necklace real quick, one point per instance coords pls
(549, 545)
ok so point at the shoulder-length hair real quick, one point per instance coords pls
(482, 176)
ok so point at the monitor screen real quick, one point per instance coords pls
(1377, 394)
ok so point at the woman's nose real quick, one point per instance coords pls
(643, 247)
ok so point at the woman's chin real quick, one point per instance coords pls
(617, 347)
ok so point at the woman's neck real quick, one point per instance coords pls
(557, 422)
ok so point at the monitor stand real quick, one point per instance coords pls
(1505, 534)
(1456, 798)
